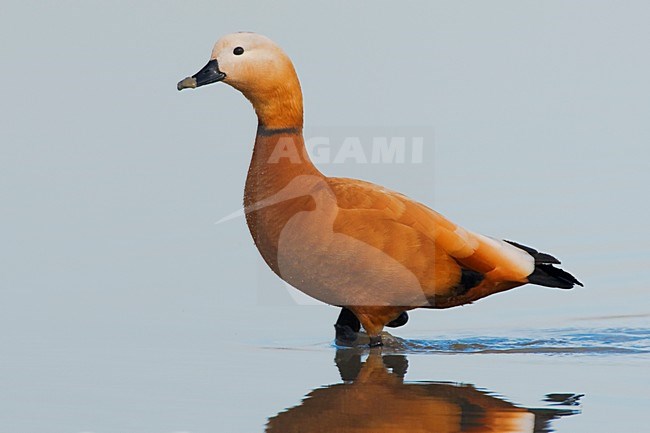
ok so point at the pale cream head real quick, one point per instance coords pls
(260, 69)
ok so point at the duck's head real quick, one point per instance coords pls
(257, 67)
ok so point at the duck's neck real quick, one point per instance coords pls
(278, 106)
(279, 155)
(278, 158)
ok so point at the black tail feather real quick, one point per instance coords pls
(550, 276)
(539, 257)
(545, 274)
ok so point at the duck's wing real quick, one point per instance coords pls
(410, 231)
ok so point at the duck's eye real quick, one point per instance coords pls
(238, 51)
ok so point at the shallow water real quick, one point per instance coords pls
(554, 341)
(173, 374)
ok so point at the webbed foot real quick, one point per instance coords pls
(345, 335)
(346, 327)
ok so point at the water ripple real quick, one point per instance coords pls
(553, 342)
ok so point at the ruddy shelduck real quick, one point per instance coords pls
(347, 242)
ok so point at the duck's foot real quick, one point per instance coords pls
(399, 321)
(375, 341)
(345, 335)
(347, 326)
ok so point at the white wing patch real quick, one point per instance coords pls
(519, 259)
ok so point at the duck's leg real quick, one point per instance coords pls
(373, 320)
(347, 326)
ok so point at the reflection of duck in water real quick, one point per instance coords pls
(376, 400)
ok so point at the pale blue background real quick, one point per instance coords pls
(123, 307)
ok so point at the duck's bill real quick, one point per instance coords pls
(209, 74)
